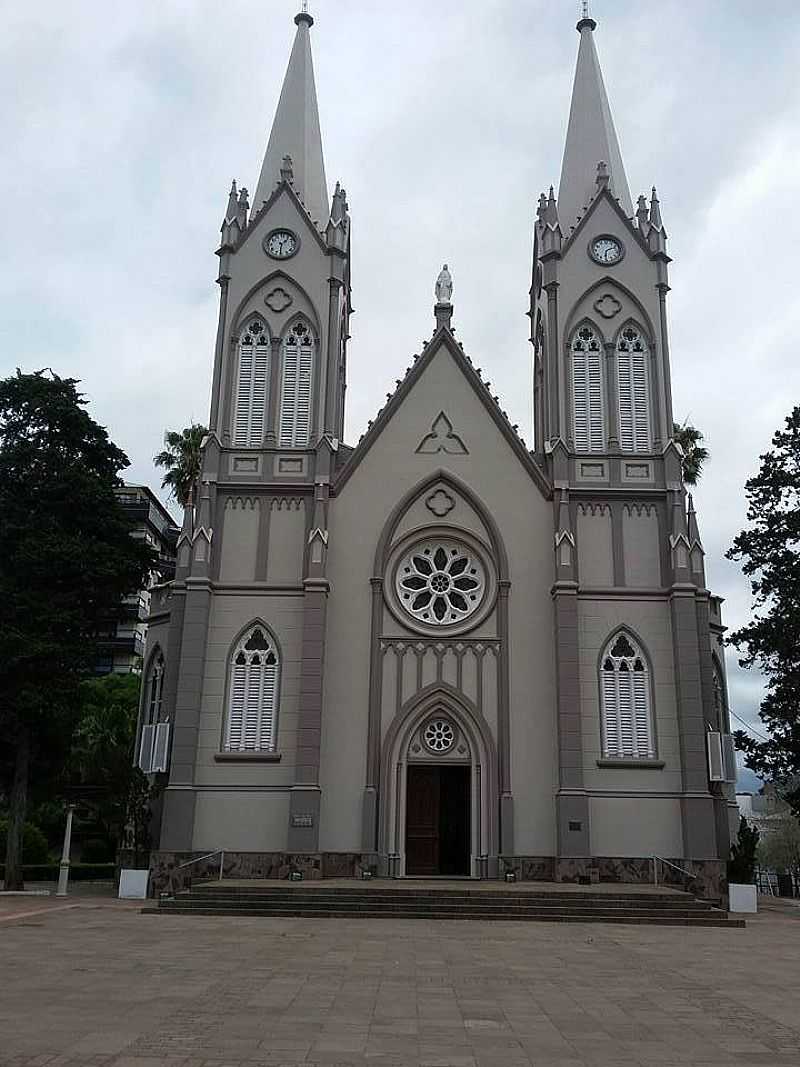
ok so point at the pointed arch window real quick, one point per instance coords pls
(154, 740)
(297, 376)
(626, 705)
(251, 721)
(155, 688)
(252, 385)
(589, 421)
(635, 433)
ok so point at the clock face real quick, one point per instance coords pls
(281, 244)
(606, 250)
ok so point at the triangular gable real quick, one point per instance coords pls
(605, 193)
(443, 337)
(282, 187)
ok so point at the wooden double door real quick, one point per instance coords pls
(438, 820)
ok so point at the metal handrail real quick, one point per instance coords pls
(669, 863)
(199, 859)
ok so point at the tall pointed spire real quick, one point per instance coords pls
(296, 132)
(591, 137)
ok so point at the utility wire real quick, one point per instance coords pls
(748, 727)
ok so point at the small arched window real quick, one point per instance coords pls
(252, 385)
(626, 711)
(155, 688)
(589, 421)
(251, 722)
(297, 375)
(635, 433)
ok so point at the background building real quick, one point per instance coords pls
(122, 641)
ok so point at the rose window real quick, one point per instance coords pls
(440, 582)
(439, 735)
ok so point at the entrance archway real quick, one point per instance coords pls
(439, 790)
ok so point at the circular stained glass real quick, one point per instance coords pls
(439, 735)
(440, 582)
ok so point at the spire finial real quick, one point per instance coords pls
(586, 21)
(303, 15)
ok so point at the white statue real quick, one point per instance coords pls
(444, 286)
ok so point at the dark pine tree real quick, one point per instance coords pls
(769, 551)
(67, 560)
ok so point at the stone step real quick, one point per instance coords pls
(712, 919)
(297, 892)
(489, 905)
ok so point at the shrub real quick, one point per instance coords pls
(34, 844)
(742, 864)
(78, 872)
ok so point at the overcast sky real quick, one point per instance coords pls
(122, 129)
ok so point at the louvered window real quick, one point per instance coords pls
(253, 697)
(154, 739)
(627, 720)
(296, 387)
(589, 423)
(634, 392)
(252, 386)
(155, 688)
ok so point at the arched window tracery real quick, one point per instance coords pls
(626, 705)
(252, 385)
(633, 378)
(252, 710)
(297, 376)
(588, 406)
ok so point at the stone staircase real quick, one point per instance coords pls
(429, 900)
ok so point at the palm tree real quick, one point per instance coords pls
(182, 460)
(694, 453)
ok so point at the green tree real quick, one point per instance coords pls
(769, 552)
(742, 864)
(779, 847)
(182, 459)
(67, 560)
(102, 755)
(694, 452)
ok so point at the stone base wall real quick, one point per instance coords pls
(708, 877)
(168, 875)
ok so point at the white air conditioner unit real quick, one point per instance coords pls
(716, 763)
(161, 748)
(146, 748)
(729, 757)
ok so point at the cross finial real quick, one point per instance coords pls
(305, 6)
(585, 6)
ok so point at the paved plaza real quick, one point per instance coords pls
(93, 982)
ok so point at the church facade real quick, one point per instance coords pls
(440, 652)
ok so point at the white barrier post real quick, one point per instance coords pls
(63, 870)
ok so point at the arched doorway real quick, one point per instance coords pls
(439, 802)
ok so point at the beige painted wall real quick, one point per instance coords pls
(357, 519)
(595, 546)
(238, 540)
(246, 821)
(230, 614)
(636, 826)
(641, 546)
(650, 622)
(287, 535)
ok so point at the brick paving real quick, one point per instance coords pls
(97, 983)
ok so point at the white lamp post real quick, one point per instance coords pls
(63, 871)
